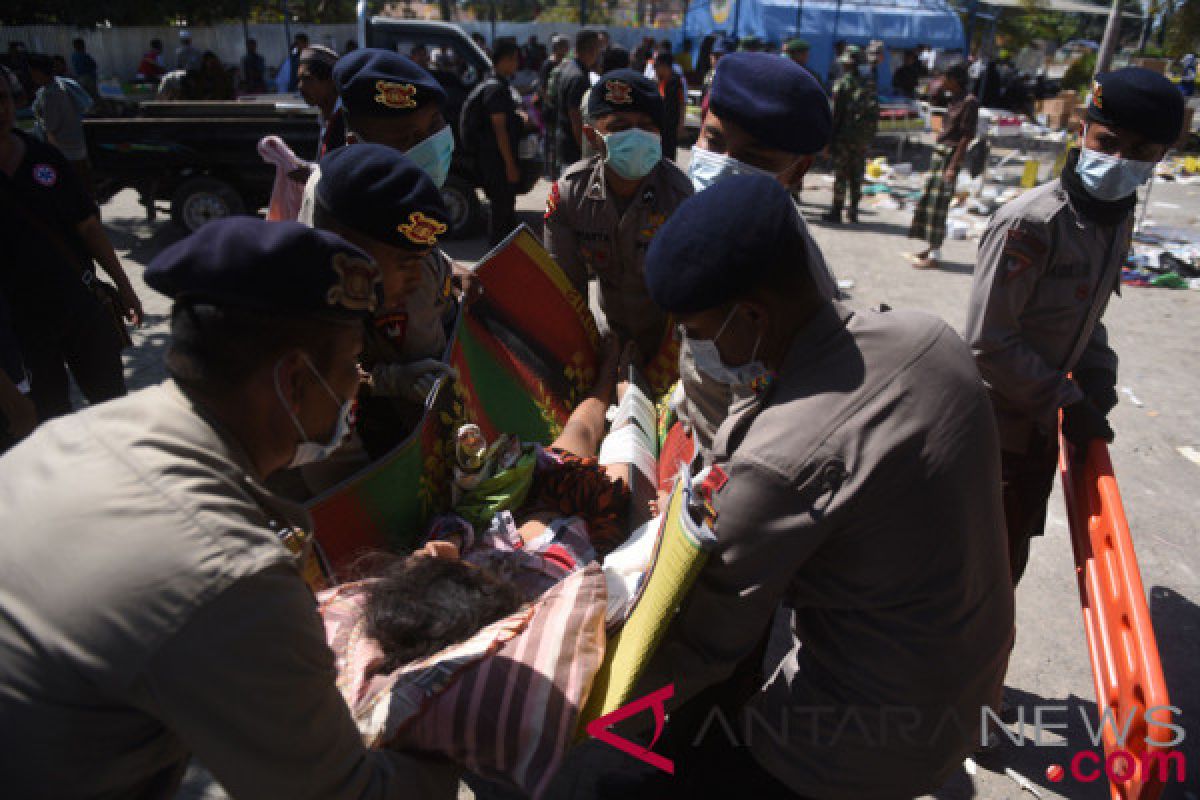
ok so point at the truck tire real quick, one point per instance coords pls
(202, 199)
(463, 204)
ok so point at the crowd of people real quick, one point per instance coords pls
(873, 479)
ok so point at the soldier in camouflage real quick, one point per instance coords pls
(855, 118)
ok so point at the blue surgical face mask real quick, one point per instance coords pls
(1108, 178)
(434, 155)
(706, 168)
(632, 153)
(708, 360)
(308, 451)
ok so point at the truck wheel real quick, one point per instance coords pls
(202, 199)
(463, 205)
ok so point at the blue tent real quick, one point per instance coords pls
(900, 24)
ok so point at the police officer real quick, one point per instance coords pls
(180, 623)
(1048, 263)
(823, 479)
(766, 116)
(603, 212)
(382, 202)
(391, 101)
(855, 118)
(388, 99)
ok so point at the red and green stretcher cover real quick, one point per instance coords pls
(526, 353)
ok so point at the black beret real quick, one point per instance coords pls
(377, 191)
(721, 242)
(1138, 100)
(276, 267)
(773, 99)
(625, 90)
(380, 83)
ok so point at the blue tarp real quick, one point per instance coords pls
(900, 24)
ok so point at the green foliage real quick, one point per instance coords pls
(505, 10)
(1079, 75)
(1183, 29)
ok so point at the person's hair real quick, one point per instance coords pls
(317, 68)
(615, 57)
(209, 55)
(958, 74)
(79, 44)
(41, 62)
(665, 44)
(504, 48)
(420, 605)
(303, 36)
(217, 348)
(839, 45)
(586, 40)
(156, 44)
(252, 41)
(664, 60)
(351, 45)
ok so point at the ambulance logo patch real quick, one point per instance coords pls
(45, 175)
(396, 95)
(421, 229)
(355, 287)
(619, 93)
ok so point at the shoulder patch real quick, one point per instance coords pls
(1022, 249)
(45, 175)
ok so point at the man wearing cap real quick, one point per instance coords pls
(1048, 263)
(603, 212)
(389, 100)
(766, 115)
(853, 490)
(958, 129)
(797, 50)
(154, 606)
(720, 48)
(382, 202)
(855, 118)
(572, 83)
(314, 78)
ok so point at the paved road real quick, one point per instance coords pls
(1157, 333)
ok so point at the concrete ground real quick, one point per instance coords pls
(1156, 332)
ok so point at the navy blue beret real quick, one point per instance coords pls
(625, 90)
(721, 242)
(375, 190)
(277, 267)
(773, 99)
(381, 83)
(1138, 100)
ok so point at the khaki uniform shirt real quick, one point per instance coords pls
(706, 402)
(150, 611)
(587, 236)
(863, 495)
(1043, 281)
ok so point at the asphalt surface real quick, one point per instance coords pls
(1155, 331)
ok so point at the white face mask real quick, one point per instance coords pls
(706, 168)
(1110, 178)
(308, 451)
(435, 154)
(708, 359)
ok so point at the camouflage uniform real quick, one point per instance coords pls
(855, 118)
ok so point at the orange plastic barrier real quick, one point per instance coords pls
(1124, 652)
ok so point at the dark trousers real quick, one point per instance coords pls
(1027, 480)
(502, 197)
(89, 346)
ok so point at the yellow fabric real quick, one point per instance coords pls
(678, 560)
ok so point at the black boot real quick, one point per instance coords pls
(834, 216)
(852, 214)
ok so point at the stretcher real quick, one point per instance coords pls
(1120, 634)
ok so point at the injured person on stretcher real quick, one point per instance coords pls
(505, 598)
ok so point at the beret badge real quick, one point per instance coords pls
(1097, 95)
(396, 95)
(618, 93)
(355, 287)
(421, 229)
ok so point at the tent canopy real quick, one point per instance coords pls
(900, 24)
